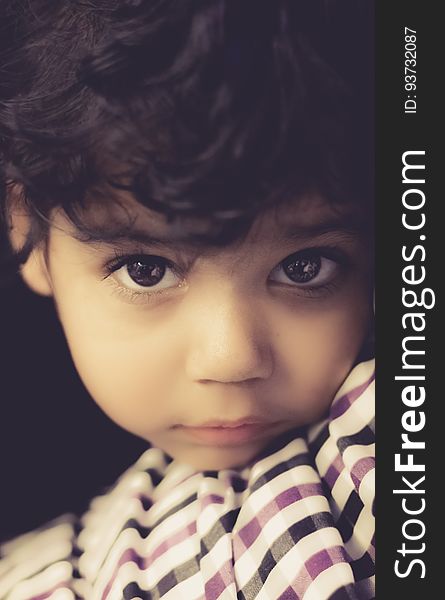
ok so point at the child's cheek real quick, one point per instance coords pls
(126, 363)
(317, 349)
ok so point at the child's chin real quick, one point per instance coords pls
(219, 458)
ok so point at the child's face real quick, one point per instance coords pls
(224, 334)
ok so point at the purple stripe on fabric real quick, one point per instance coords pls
(334, 471)
(310, 489)
(324, 559)
(220, 581)
(348, 557)
(211, 499)
(129, 555)
(360, 468)
(296, 493)
(143, 562)
(338, 554)
(214, 587)
(249, 533)
(302, 581)
(288, 497)
(108, 586)
(342, 404)
(288, 594)
(171, 541)
(60, 586)
(317, 563)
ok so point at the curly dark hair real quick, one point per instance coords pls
(212, 108)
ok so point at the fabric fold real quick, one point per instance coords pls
(296, 523)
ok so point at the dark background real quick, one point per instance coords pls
(395, 134)
(57, 448)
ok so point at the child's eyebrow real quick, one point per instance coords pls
(114, 236)
(291, 231)
(346, 225)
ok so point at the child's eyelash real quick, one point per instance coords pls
(147, 295)
(320, 290)
(120, 259)
(333, 253)
(132, 295)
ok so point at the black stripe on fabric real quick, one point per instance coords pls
(228, 520)
(364, 437)
(132, 590)
(142, 531)
(168, 582)
(77, 552)
(326, 490)
(77, 526)
(266, 566)
(145, 531)
(239, 484)
(203, 548)
(310, 524)
(363, 567)
(316, 444)
(282, 467)
(224, 525)
(175, 509)
(349, 515)
(168, 459)
(156, 476)
(280, 547)
(69, 557)
(365, 589)
(187, 569)
(146, 503)
(347, 592)
(213, 474)
(133, 524)
(251, 589)
(176, 576)
(215, 534)
(281, 441)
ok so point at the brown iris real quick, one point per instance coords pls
(147, 272)
(302, 269)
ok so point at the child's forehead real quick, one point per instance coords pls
(125, 219)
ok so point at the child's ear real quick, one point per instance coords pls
(34, 271)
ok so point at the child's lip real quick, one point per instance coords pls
(225, 435)
(230, 424)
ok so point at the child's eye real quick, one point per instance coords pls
(310, 268)
(145, 271)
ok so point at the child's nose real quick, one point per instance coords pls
(229, 342)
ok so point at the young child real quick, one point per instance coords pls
(191, 182)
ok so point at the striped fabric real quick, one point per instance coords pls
(296, 523)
